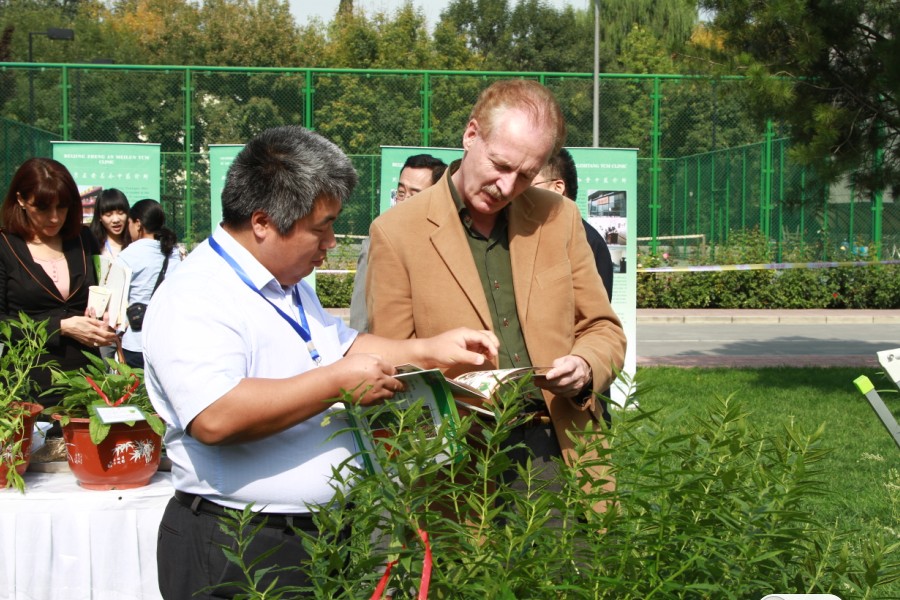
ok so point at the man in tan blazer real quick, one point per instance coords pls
(484, 249)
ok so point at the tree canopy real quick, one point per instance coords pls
(836, 78)
(520, 35)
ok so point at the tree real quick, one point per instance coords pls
(7, 81)
(837, 78)
(533, 35)
(250, 33)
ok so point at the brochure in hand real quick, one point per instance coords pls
(471, 390)
(116, 278)
(439, 397)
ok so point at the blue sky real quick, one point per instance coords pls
(303, 10)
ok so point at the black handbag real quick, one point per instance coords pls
(135, 311)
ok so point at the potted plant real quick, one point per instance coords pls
(22, 344)
(113, 438)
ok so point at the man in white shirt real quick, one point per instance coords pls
(244, 364)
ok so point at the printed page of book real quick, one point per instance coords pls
(487, 382)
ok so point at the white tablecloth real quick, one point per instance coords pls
(61, 542)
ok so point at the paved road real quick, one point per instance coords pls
(748, 338)
(765, 338)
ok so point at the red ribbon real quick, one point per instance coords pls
(426, 572)
(124, 397)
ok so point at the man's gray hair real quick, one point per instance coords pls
(282, 172)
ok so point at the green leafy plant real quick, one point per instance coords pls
(704, 505)
(102, 382)
(23, 343)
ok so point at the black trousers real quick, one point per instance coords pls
(541, 445)
(189, 555)
(135, 360)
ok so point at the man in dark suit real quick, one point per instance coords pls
(560, 175)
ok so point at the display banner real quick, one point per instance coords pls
(392, 159)
(134, 169)
(607, 195)
(220, 158)
(607, 198)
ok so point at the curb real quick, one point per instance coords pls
(755, 362)
(747, 316)
(762, 316)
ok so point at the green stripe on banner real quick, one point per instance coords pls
(769, 267)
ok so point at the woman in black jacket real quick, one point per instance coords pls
(46, 264)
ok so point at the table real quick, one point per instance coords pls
(61, 542)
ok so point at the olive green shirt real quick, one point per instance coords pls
(492, 260)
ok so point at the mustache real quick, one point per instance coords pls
(494, 192)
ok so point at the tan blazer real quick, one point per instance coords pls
(422, 281)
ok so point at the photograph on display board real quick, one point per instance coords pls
(607, 214)
(89, 195)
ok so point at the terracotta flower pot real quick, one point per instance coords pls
(127, 458)
(25, 435)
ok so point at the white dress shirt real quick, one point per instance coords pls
(204, 332)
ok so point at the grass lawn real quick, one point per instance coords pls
(863, 468)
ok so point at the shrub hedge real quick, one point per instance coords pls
(875, 287)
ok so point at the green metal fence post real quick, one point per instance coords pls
(802, 209)
(713, 201)
(188, 153)
(851, 229)
(426, 109)
(728, 159)
(779, 235)
(878, 201)
(744, 190)
(308, 93)
(765, 215)
(826, 234)
(65, 103)
(697, 207)
(654, 170)
(685, 196)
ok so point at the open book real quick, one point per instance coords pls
(471, 390)
(440, 397)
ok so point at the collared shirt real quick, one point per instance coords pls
(145, 260)
(205, 332)
(492, 260)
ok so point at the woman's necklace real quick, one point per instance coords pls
(44, 251)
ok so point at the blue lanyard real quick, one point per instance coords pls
(302, 329)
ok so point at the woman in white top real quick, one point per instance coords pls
(110, 222)
(110, 226)
(151, 243)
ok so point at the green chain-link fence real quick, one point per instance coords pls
(706, 168)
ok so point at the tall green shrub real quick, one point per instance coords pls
(706, 508)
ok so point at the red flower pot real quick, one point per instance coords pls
(127, 458)
(25, 435)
